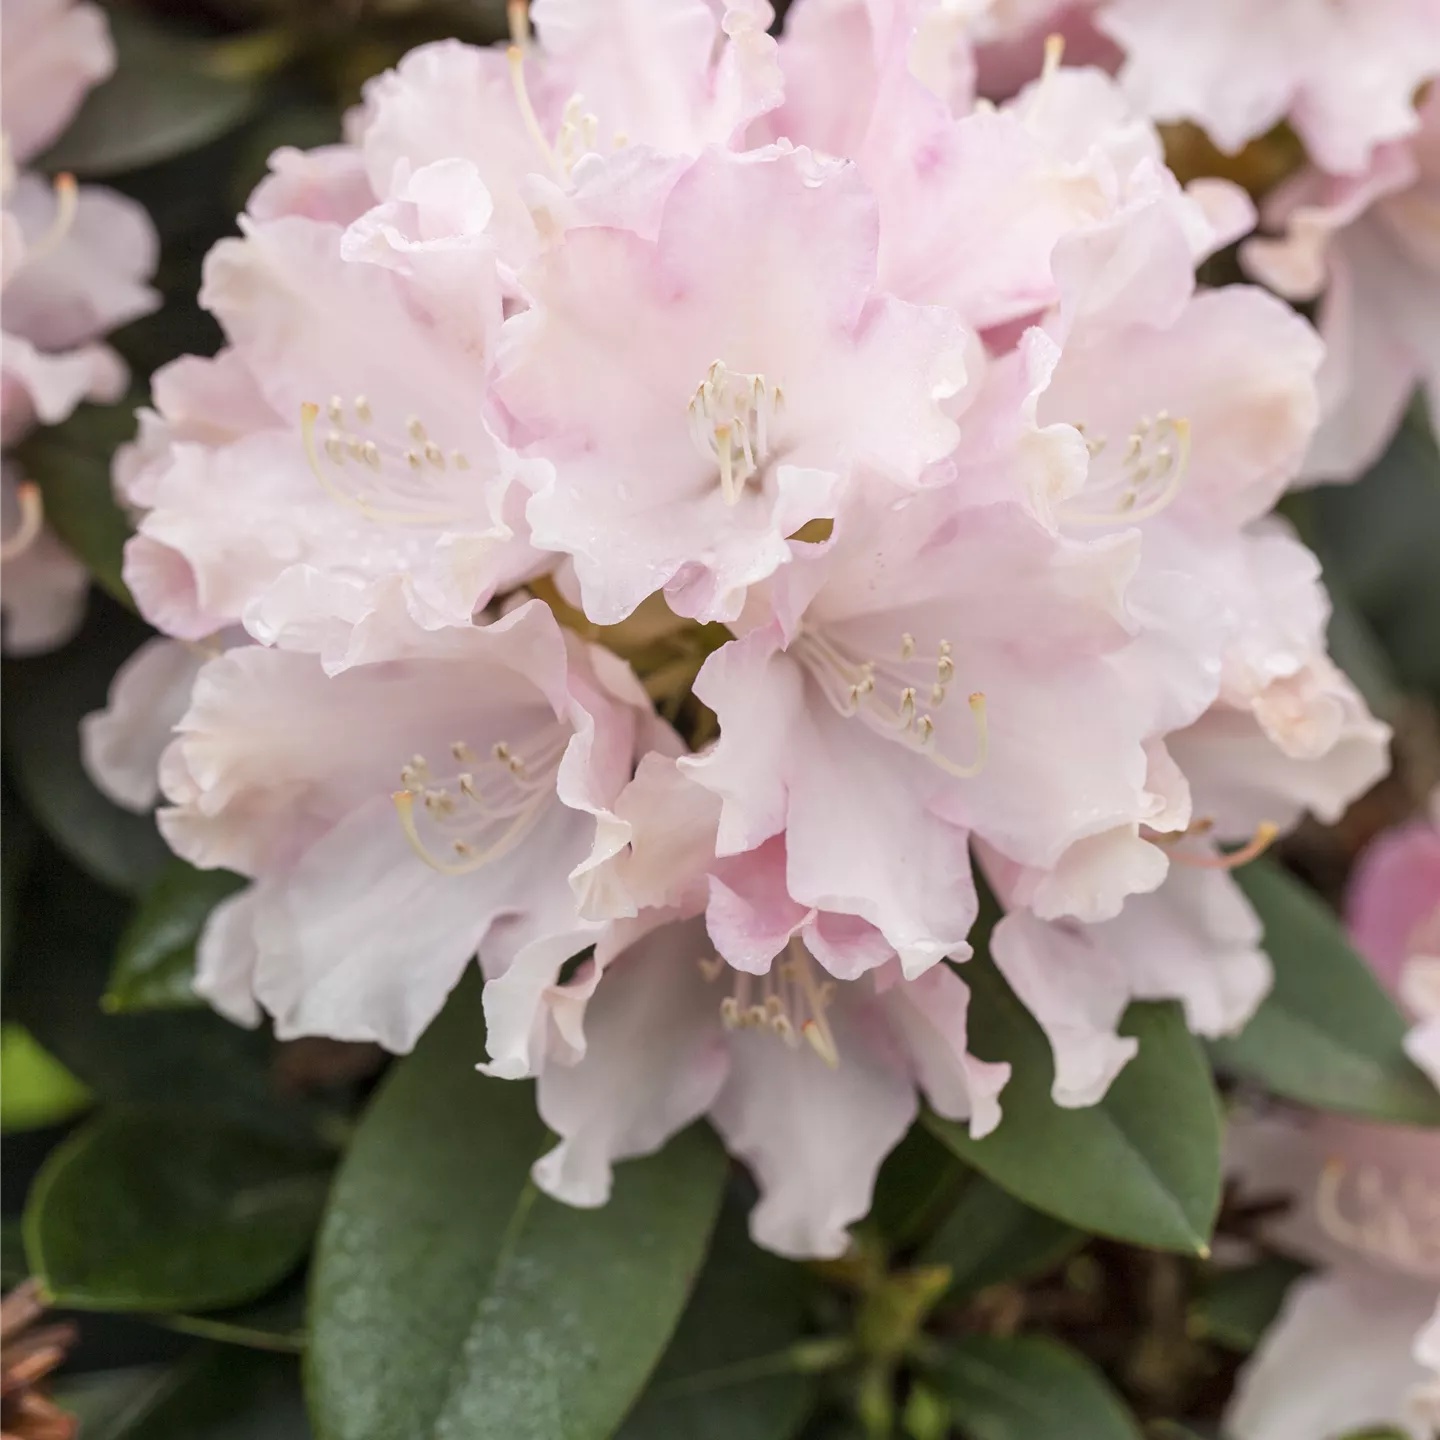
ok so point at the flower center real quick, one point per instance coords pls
(732, 416)
(789, 1001)
(1389, 1219)
(483, 808)
(384, 479)
(862, 687)
(1143, 479)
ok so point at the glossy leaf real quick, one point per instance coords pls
(451, 1298)
(167, 95)
(215, 1394)
(730, 1372)
(1236, 1307)
(990, 1237)
(45, 697)
(1328, 1035)
(187, 1062)
(1029, 1389)
(274, 1322)
(1143, 1165)
(155, 964)
(35, 1088)
(165, 1212)
(917, 1183)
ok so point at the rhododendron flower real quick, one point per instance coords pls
(1364, 1205)
(759, 370)
(430, 802)
(1344, 73)
(1355, 1345)
(321, 490)
(1368, 241)
(73, 262)
(1393, 910)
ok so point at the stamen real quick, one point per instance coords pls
(792, 1004)
(32, 521)
(731, 414)
(327, 456)
(67, 201)
(517, 13)
(1157, 454)
(851, 686)
(515, 55)
(1255, 847)
(1054, 54)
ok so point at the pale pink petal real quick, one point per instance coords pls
(54, 52)
(655, 1058)
(121, 745)
(327, 183)
(1394, 893)
(1337, 1360)
(1077, 991)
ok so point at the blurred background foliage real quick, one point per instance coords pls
(213, 1211)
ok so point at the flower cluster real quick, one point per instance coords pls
(74, 264)
(1359, 1341)
(680, 499)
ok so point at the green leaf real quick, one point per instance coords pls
(1376, 539)
(451, 1298)
(1328, 1035)
(1029, 1389)
(155, 964)
(917, 1183)
(990, 1237)
(187, 1062)
(167, 95)
(731, 1372)
(45, 697)
(215, 1394)
(165, 1212)
(1143, 1165)
(35, 1088)
(1238, 1306)
(71, 464)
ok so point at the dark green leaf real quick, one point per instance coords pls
(451, 1298)
(918, 1181)
(990, 1237)
(1328, 1035)
(190, 1062)
(71, 463)
(728, 1374)
(1143, 1165)
(167, 95)
(1376, 538)
(1236, 1307)
(217, 1394)
(155, 964)
(45, 698)
(152, 1212)
(1029, 1389)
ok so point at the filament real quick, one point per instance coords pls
(32, 521)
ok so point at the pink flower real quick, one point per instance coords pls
(1355, 1343)
(1344, 73)
(73, 262)
(671, 1035)
(369, 901)
(1368, 241)
(332, 478)
(703, 395)
(1393, 910)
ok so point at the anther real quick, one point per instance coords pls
(335, 409)
(434, 454)
(415, 430)
(907, 646)
(362, 409)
